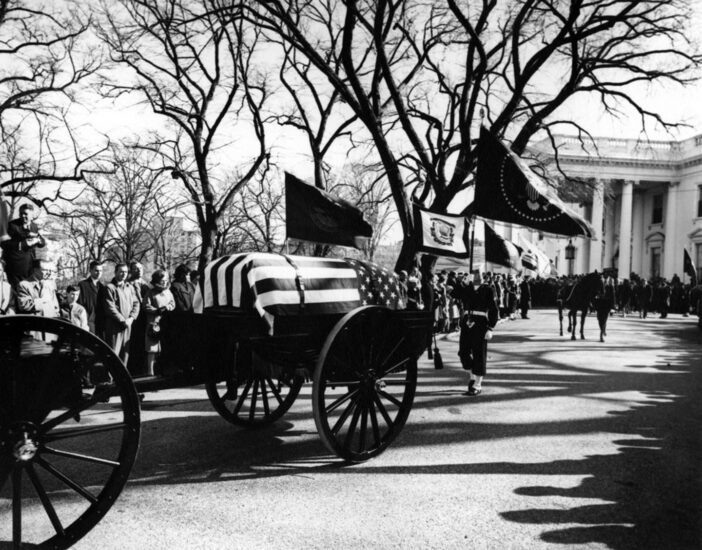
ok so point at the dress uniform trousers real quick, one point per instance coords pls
(472, 347)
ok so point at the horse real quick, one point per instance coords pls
(580, 299)
(563, 292)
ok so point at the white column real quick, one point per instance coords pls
(637, 242)
(609, 231)
(670, 250)
(625, 230)
(597, 221)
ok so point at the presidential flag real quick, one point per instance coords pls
(689, 267)
(507, 190)
(277, 285)
(442, 234)
(315, 215)
(501, 251)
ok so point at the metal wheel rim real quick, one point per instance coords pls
(53, 431)
(366, 416)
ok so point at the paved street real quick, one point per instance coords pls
(571, 445)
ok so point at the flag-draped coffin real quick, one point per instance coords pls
(276, 285)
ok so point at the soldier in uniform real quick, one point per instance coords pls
(479, 319)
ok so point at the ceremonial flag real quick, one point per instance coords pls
(4, 218)
(442, 234)
(689, 267)
(317, 216)
(276, 285)
(506, 189)
(534, 259)
(501, 251)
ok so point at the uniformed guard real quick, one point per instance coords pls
(479, 319)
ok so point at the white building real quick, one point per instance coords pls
(648, 195)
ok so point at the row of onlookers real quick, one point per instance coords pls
(125, 312)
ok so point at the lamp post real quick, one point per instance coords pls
(570, 256)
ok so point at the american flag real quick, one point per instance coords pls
(377, 285)
(277, 285)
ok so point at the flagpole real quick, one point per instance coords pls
(472, 244)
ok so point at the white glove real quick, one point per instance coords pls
(488, 335)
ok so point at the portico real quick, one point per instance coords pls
(644, 203)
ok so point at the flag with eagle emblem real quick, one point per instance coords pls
(507, 190)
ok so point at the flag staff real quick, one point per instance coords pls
(472, 243)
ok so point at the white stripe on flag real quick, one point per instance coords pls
(287, 272)
(221, 280)
(275, 297)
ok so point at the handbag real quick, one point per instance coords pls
(154, 330)
(438, 361)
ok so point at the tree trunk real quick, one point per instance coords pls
(209, 235)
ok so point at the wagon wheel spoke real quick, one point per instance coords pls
(352, 427)
(395, 367)
(382, 409)
(75, 410)
(344, 416)
(77, 487)
(264, 397)
(45, 501)
(364, 425)
(252, 408)
(242, 397)
(80, 432)
(341, 400)
(374, 424)
(82, 457)
(391, 398)
(275, 390)
(397, 382)
(392, 352)
(17, 507)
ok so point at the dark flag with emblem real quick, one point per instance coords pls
(442, 234)
(501, 251)
(315, 215)
(507, 190)
(689, 267)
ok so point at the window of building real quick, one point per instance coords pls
(698, 260)
(655, 261)
(657, 216)
(699, 201)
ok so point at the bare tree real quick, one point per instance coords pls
(365, 186)
(256, 221)
(419, 74)
(193, 64)
(120, 216)
(41, 62)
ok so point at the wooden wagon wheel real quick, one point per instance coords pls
(66, 445)
(364, 383)
(252, 396)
